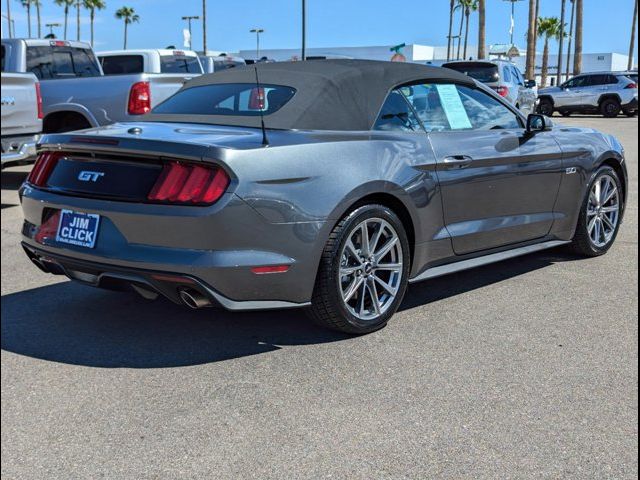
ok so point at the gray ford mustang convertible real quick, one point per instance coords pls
(328, 185)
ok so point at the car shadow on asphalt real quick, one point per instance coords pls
(75, 324)
(12, 180)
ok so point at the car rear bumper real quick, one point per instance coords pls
(18, 150)
(216, 248)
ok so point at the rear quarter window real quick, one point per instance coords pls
(482, 72)
(122, 64)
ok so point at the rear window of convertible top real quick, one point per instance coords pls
(240, 99)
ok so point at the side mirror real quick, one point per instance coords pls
(530, 84)
(538, 123)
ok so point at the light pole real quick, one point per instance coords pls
(188, 19)
(50, 26)
(11, 23)
(304, 30)
(561, 41)
(513, 17)
(257, 31)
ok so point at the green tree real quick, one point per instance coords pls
(92, 6)
(66, 4)
(128, 15)
(549, 29)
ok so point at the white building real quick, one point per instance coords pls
(436, 55)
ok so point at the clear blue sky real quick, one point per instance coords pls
(330, 23)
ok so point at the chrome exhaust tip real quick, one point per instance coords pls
(194, 299)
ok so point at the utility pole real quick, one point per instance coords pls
(513, 17)
(304, 30)
(10, 24)
(563, 7)
(257, 31)
(632, 45)
(50, 27)
(573, 15)
(188, 18)
(204, 27)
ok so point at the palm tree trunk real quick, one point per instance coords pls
(78, 20)
(467, 15)
(450, 38)
(563, 9)
(577, 56)
(38, 19)
(573, 16)
(545, 62)
(632, 44)
(125, 34)
(66, 20)
(482, 29)
(535, 27)
(29, 19)
(92, 16)
(204, 26)
(530, 71)
(460, 33)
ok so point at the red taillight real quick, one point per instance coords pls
(39, 101)
(189, 184)
(139, 98)
(632, 85)
(256, 99)
(42, 169)
(502, 91)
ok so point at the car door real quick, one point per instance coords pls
(572, 93)
(526, 96)
(498, 183)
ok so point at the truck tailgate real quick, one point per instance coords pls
(163, 85)
(19, 104)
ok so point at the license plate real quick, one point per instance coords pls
(77, 228)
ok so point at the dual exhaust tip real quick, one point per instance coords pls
(194, 299)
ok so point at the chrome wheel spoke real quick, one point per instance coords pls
(373, 293)
(364, 233)
(391, 267)
(603, 211)
(347, 271)
(609, 223)
(353, 288)
(386, 249)
(389, 289)
(610, 209)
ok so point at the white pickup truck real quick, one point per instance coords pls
(75, 92)
(21, 118)
(123, 62)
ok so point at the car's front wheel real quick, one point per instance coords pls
(363, 272)
(600, 216)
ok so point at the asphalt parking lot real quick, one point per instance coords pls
(523, 369)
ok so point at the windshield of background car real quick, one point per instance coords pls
(61, 62)
(482, 72)
(179, 64)
(239, 99)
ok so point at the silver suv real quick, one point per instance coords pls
(607, 93)
(502, 76)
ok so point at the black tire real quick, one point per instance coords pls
(546, 107)
(327, 306)
(582, 243)
(565, 114)
(631, 114)
(610, 108)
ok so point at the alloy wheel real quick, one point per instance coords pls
(371, 269)
(603, 211)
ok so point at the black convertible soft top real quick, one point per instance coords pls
(330, 94)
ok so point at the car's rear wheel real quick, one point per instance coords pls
(610, 108)
(546, 107)
(363, 272)
(600, 215)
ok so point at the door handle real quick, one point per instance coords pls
(458, 161)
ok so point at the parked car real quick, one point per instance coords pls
(21, 118)
(502, 76)
(330, 185)
(606, 93)
(76, 94)
(216, 63)
(123, 62)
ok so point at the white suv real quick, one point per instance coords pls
(607, 93)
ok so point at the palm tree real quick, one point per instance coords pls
(548, 28)
(78, 4)
(66, 4)
(92, 6)
(469, 6)
(563, 5)
(577, 56)
(573, 17)
(452, 12)
(633, 36)
(129, 15)
(27, 4)
(530, 70)
(36, 3)
(460, 6)
(482, 29)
